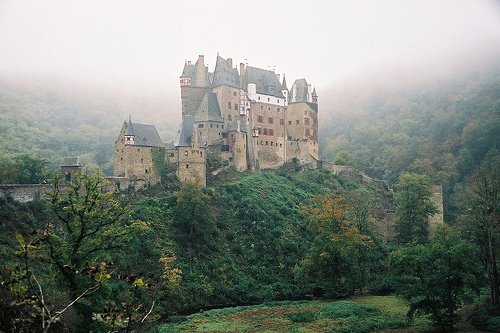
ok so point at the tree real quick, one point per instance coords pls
(436, 278)
(480, 201)
(413, 208)
(88, 225)
(194, 219)
(335, 259)
(24, 169)
(344, 158)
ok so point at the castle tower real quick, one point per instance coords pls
(302, 123)
(194, 85)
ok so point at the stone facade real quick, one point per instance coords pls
(133, 157)
(248, 118)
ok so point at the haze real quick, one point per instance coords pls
(143, 44)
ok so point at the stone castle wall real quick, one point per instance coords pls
(135, 161)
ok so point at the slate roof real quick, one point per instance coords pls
(301, 95)
(144, 135)
(185, 132)
(71, 161)
(188, 70)
(283, 85)
(266, 81)
(234, 126)
(209, 109)
(225, 74)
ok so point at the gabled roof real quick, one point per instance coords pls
(209, 109)
(267, 82)
(301, 93)
(144, 135)
(234, 126)
(225, 74)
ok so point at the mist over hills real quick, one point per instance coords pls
(440, 120)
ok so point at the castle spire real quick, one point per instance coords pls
(283, 85)
(314, 96)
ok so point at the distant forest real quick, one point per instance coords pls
(53, 121)
(442, 126)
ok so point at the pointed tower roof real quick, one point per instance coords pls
(130, 128)
(314, 93)
(188, 70)
(283, 85)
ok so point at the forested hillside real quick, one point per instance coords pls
(442, 125)
(52, 121)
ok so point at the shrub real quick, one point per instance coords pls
(344, 309)
(302, 317)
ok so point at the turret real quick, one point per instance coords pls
(284, 89)
(129, 132)
(314, 96)
(187, 72)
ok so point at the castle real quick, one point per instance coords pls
(249, 119)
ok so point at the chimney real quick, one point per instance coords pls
(230, 62)
(279, 77)
(242, 68)
(189, 62)
(201, 59)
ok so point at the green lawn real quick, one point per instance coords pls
(357, 315)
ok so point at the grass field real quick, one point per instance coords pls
(357, 315)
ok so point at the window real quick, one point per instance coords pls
(296, 122)
(260, 130)
(171, 154)
(258, 98)
(271, 131)
(260, 119)
(306, 121)
(281, 145)
(282, 121)
(268, 99)
(289, 122)
(235, 106)
(142, 160)
(272, 143)
(267, 143)
(186, 153)
(200, 125)
(270, 120)
(265, 131)
(229, 105)
(211, 125)
(234, 93)
(146, 171)
(187, 166)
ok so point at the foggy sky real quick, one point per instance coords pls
(126, 43)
